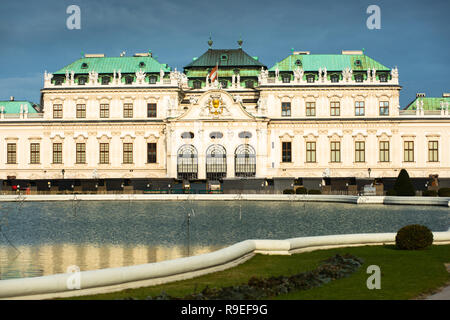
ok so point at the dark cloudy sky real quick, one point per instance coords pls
(414, 35)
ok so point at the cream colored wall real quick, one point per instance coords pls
(266, 126)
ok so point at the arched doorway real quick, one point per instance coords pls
(216, 162)
(245, 161)
(187, 162)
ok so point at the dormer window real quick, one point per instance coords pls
(84, 65)
(334, 78)
(129, 80)
(152, 79)
(249, 84)
(286, 78)
(298, 62)
(310, 78)
(105, 80)
(224, 57)
(359, 78)
(383, 77)
(82, 81)
(59, 81)
(197, 84)
(358, 63)
(141, 64)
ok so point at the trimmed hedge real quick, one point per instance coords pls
(301, 191)
(429, 193)
(288, 191)
(413, 237)
(314, 191)
(444, 192)
(403, 185)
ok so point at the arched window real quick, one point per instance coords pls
(216, 162)
(245, 161)
(216, 135)
(245, 135)
(187, 135)
(187, 162)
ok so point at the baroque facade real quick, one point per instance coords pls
(309, 115)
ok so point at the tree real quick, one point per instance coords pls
(403, 185)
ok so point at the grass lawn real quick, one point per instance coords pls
(404, 275)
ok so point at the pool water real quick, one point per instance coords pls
(42, 238)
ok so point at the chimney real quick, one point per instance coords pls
(420, 95)
(350, 52)
(11, 98)
(301, 52)
(446, 95)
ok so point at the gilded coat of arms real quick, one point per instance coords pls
(215, 105)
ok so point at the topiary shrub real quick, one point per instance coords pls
(391, 192)
(288, 191)
(444, 192)
(314, 191)
(301, 191)
(413, 237)
(429, 193)
(403, 185)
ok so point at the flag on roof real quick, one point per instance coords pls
(214, 73)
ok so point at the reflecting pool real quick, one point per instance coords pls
(42, 238)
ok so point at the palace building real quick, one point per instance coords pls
(307, 116)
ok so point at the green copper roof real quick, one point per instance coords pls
(14, 106)
(430, 103)
(228, 73)
(109, 64)
(333, 62)
(225, 58)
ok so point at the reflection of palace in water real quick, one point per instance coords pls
(34, 261)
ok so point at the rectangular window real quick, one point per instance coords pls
(151, 152)
(57, 111)
(360, 151)
(151, 110)
(81, 111)
(104, 153)
(384, 151)
(104, 111)
(286, 109)
(433, 151)
(359, 108)
(11, 153)
(310, 78)
(408, 151)
(34, 153)
(57, 153)
(286, 152)
(335, 109)
(128, 110)
(335, 149)
(310, 109)
(384, 108)
(310, 152)
(286, 78)
(127, 153)
(359, 78)
(81, 153)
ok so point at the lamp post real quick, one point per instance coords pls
(369, 170)
(63, 172)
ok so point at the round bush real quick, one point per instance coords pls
(444, 192)
(413, 237)
(288, 191)
(301, 191)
